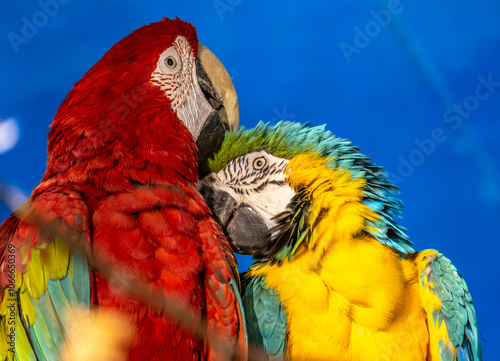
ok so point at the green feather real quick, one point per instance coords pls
(24, 352)
(292, 229)
(457, 310)
(45, 315)
(236, 291)
(45, 347)
(446, 353)
(265, 317)
(52, 321)
(80, 276)
(288, 139)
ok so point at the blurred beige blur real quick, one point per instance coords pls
(98, 335)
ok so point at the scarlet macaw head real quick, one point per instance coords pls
(145, 88)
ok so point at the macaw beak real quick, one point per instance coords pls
(218, 89)
(245, 229)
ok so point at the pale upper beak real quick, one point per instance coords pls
(218, 89)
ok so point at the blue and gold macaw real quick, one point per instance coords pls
(335, 277)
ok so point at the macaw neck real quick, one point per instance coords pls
(116, 150)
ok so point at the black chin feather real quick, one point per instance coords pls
(292, 228)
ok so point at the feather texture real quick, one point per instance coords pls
(121, 181)
(291, 230)
(265, 316)
(450, 312)
(337, 277)
(289, 139)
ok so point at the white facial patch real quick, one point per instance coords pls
(257, 179)
(175, 74)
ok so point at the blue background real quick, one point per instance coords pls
(387, 90)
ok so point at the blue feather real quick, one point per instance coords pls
(265, 317)
(81, 278)
(288, 139)
(46, 348)
(48, 331)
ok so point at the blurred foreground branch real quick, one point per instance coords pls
(11, 196)
(156, 297)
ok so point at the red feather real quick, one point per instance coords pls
(117, 144)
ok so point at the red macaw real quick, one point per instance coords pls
(122, 178)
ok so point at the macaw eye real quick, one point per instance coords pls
(170, 62)
(259, 163)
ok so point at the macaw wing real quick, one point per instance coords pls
(224, 307)
(42, 278)
(451, 319)
(265, 317)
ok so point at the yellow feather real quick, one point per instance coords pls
(36, 279)
(29, 312)
(4, 353)
(24, 253)
(55, 259)
(5, 329)
(348, 297)
(431, 303)
(23, 346)
(20, 343)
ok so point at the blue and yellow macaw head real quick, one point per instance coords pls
(272, 187)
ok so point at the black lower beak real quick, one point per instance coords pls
(209, 141)
(244, 227)
(247, 231)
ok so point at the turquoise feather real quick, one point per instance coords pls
(457, 310)
(81, 278)
(288, 139)
(66, 293)
(265, 317)
(236, 288)
(40, 333)
(48, 332)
